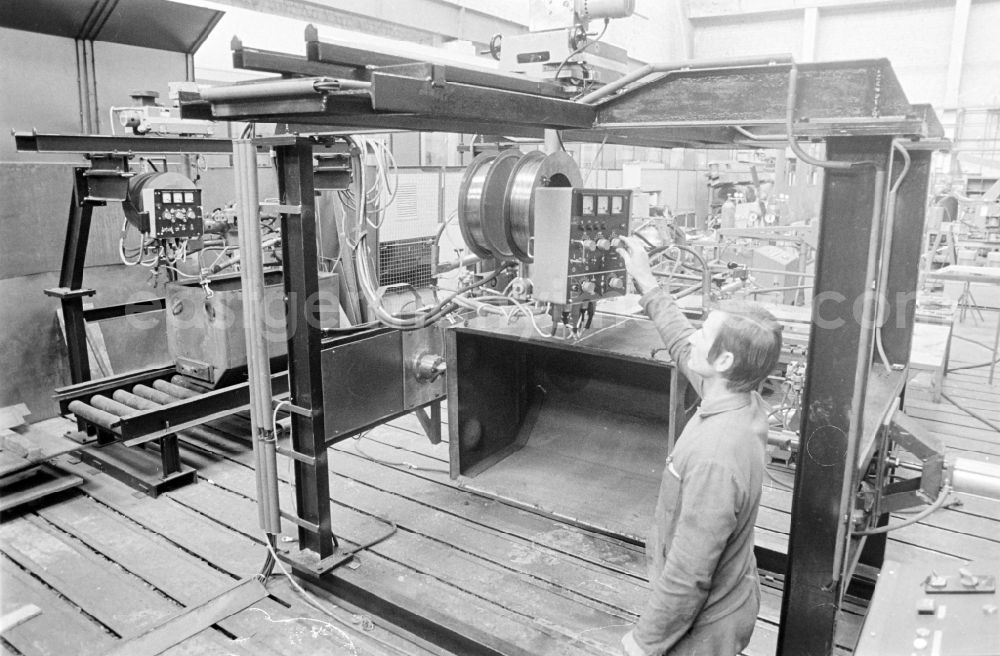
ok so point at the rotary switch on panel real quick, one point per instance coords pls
(576, 260)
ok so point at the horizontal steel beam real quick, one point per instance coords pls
(90, 143)
(440, 98)
(343, 55)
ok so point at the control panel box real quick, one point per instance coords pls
(174, 213)
(575, 238)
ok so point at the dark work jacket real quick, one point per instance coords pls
(700, 555)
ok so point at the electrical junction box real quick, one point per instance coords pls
(576, 232)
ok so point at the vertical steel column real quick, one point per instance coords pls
(840, 350)
(900, 292)
(305, 379)
(74, 257)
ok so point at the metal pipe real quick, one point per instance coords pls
(974, 477)
(173, 390)
(272, 89)
(102, 402)
(678, 67)
(249, 205)
(258, 363)
(133, 401)
(90, 413)
(551, 143)
(862, 366)
(468, 260)
(154, 395)
(883, 280)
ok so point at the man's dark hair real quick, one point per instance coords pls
(753, 336)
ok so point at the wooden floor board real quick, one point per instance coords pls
(101, 587)
(526, 557)
(106, 562)
(60, 629)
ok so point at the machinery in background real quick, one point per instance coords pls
(560, 47)
(374, 373)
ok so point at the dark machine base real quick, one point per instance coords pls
(137, 468)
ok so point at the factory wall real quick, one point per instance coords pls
(42, 91)
(943, 51)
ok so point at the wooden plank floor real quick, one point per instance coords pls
(106, 563)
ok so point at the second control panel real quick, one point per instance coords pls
(575, 239)
(175, 213)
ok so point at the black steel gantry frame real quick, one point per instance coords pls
(104, 181)
(857, 108)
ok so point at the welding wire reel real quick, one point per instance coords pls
(535, 169)
(470, 207)
(494, 201)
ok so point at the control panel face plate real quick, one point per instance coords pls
(175, 213)
(576, 234)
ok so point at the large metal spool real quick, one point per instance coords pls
(496, 199)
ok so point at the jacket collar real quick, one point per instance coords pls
(724, 403)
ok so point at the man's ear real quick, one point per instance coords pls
(724, 362)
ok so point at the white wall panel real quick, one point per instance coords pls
(981, 72)
(739, 36)
(916, 39)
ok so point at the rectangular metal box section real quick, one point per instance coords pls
(574, 244)
(372, 379)
(576, 430)
(176, 213)
(205, 330)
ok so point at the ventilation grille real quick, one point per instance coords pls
(405, 261)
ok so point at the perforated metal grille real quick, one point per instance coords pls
(405, 261)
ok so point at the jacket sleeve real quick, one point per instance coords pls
(674, 329)
(707, 518)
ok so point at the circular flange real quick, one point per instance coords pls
(494, 200)
(470, 194)
(533, 170)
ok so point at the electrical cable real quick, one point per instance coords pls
(940, 501)
(397, 465)
(585, 45)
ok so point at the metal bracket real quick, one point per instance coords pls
(66, 292)
(294, 409)
(308, 563)
(295, 455)
(107, 178)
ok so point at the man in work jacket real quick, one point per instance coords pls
(705, 593)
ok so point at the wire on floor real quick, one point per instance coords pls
(397, 465)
